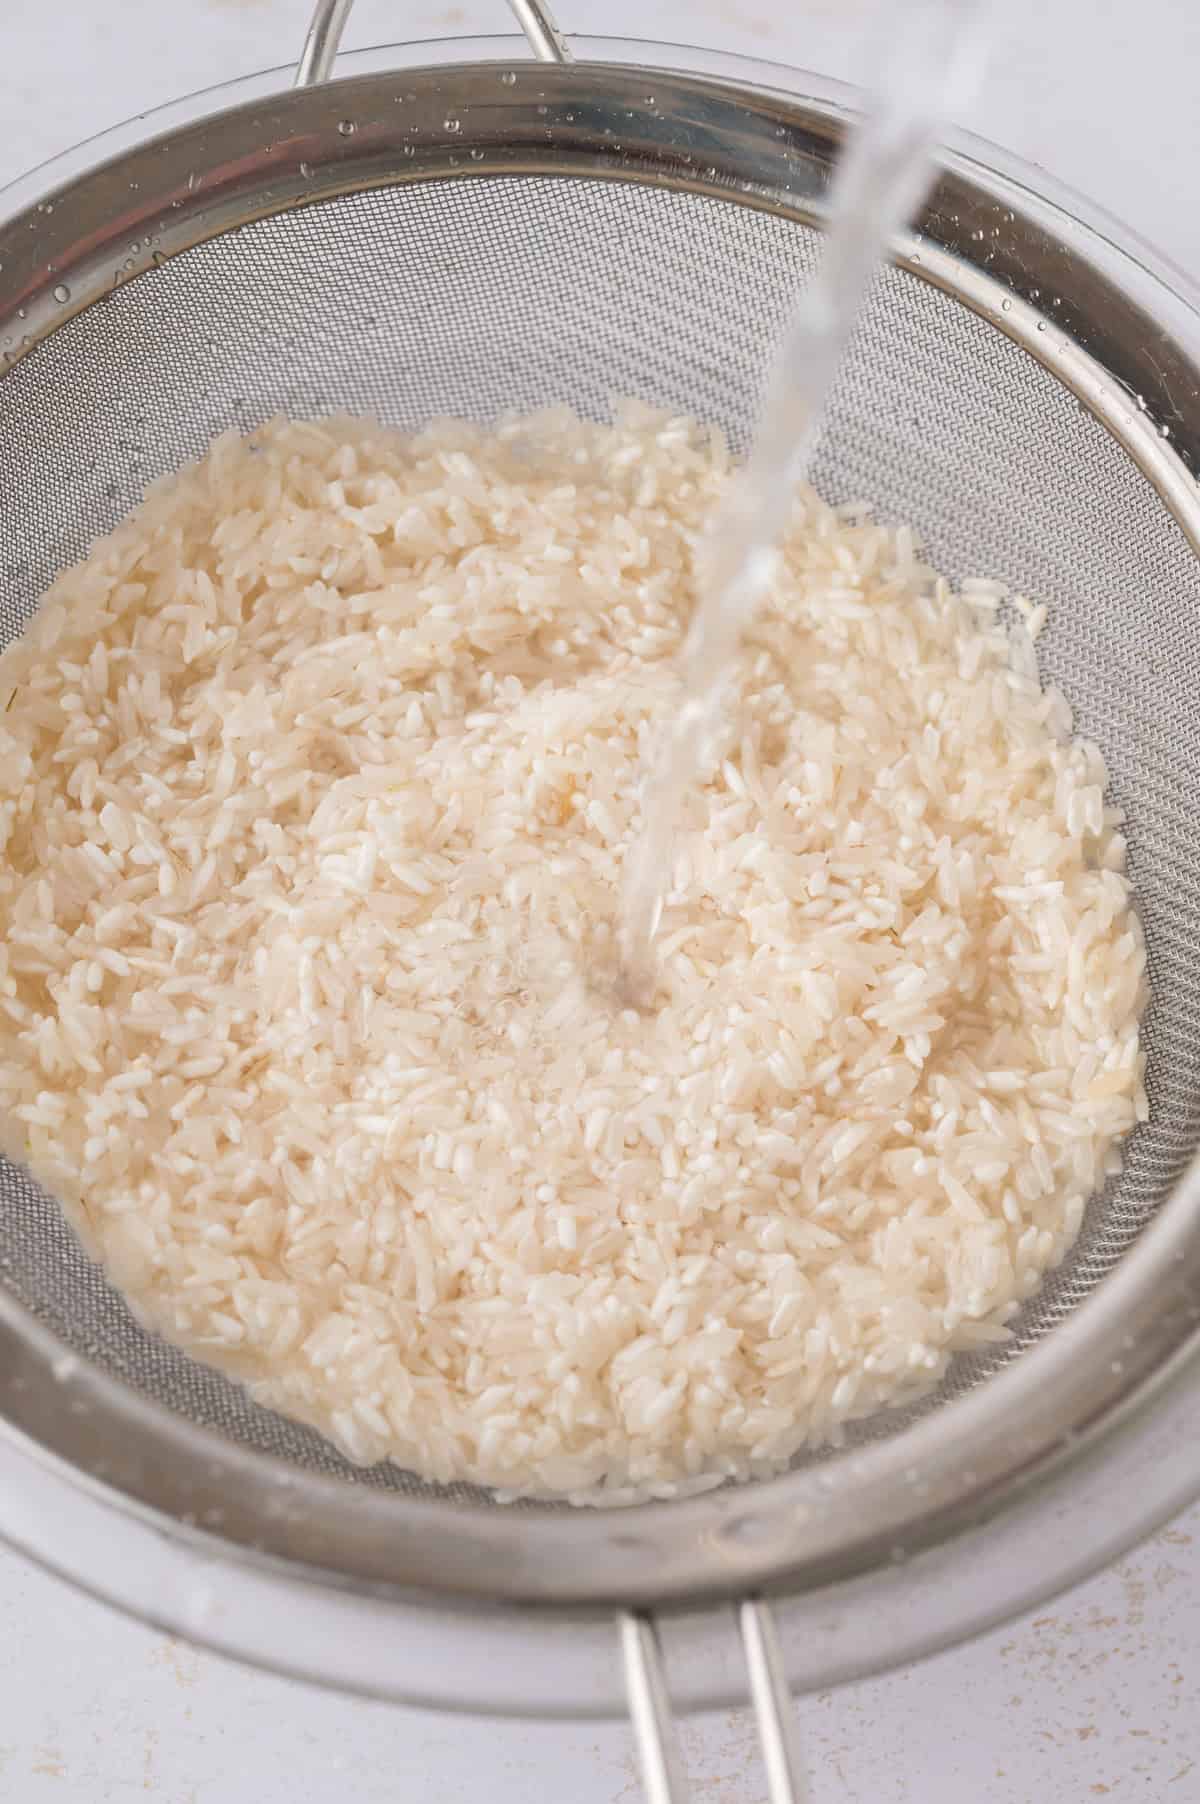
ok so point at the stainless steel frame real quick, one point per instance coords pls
(785, 1533)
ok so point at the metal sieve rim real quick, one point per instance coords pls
(689, 1550)
(530, 1664)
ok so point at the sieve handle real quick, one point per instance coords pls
(545, 39)
(329, 22)
(653, 1724)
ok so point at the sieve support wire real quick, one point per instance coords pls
(329, 22)
(650, 1706)
(545, 39)
(774, 1709)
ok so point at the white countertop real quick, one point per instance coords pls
(1098, 1697)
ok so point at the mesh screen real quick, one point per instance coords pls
(476, 297)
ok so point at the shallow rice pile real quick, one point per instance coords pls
(317, 778)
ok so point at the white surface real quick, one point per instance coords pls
(1097, 1697)
(1093, 1700)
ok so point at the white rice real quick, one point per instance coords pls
(315, 784)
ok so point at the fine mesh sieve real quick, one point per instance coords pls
(485, 236)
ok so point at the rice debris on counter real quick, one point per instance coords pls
(315, 784)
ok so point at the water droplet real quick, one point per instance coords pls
(746, 1530)
(193, 178)
(650, 100)
(1006, 306)
(20, 313)
(452, 125)
(46, 206)
(62, 293)
(477, 156)
(346, 127)
(542, 111)
(509, 78)
(406, 150)
(305, 171)
(1041, 325)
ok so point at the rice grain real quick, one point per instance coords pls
(314, 794)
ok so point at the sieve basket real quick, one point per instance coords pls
(233, 1529)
